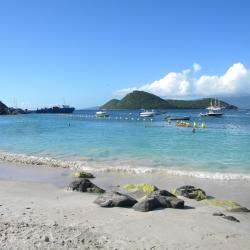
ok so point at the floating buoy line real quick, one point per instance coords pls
(94, 117)
(194, 124)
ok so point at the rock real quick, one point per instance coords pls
(175, 202)
(148, 204)
(115, 199)
(85, 185)
(218, 214)
(230, 206)
(163, 193)
(167, 199)
(46, 239)
(191, 192)
(145, 188)
(82, 174)
(163, 201)
(231, 218)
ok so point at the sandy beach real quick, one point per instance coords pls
(38, 213)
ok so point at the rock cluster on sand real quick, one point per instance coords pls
(85, 185)
(155, 200)
(115, 199)
(191, 192)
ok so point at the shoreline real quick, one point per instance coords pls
(44, 215)
(236, 190)
(88, 164)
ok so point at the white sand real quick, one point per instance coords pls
(31, 211)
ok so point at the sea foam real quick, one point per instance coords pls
(90, 165)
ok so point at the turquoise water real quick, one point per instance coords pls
(123, 142)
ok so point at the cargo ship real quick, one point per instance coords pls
(64, 109)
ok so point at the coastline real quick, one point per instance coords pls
(36, 208)
(129, 167)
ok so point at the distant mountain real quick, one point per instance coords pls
(4, 110)
(144, 100)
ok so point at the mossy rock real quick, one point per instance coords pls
(198, 195)
(230, 206)
(174, 192)
(190, 192)
(145, 188)
(82, 174)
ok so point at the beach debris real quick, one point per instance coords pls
(115, 199)
(231, 218)
(85, 185)
(218, 214)
(144, 187)
(159, 199)
(229, 205)
(83, 174)
(191, 192)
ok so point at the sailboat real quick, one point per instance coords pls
(213, 110)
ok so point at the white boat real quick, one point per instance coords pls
(215, 107)
(101, 114)
(213, 110)
(147, 113)
(211, 113)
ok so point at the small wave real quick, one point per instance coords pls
(90, 165)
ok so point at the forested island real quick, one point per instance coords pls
(145, 100)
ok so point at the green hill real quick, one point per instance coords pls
(144, 100)
(4, 110)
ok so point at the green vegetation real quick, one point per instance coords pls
(198, 195)
(145, 188)
(144, 100)
(230, 206)
(82, 174)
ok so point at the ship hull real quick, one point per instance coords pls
(55, 111)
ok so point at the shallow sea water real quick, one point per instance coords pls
(126, 142)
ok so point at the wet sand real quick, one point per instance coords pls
(37, 212)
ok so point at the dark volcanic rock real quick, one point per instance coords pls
(162, 193)
(115, 199)
(167, 199)
(85, 185)
(191, 192)
(231, 218)
(148, 204)
(175, 202)
(159, 199)
(218, 214)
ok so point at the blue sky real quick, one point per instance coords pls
(85, 51)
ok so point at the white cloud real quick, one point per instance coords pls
(196, 67)
(235, 81)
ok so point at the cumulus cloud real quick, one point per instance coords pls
(196, 67)
(235, 81)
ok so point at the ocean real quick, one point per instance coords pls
(125, 142)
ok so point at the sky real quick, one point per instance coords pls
(85, 52)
